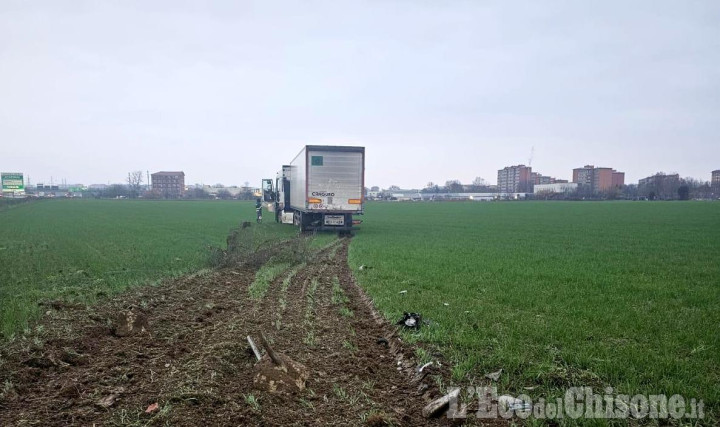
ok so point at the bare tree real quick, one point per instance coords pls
(134, 180)
(453, 186)
(224, 194)
(115, 191)
(684, 192)
(479, 182)
(431, 187)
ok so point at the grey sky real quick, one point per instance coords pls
(436, 90)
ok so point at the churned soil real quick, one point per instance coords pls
(177, 354)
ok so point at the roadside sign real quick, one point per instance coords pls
(12, 182)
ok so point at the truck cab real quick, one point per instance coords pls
(276, 194)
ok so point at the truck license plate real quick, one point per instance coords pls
(334, 219)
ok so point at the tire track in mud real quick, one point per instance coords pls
(195, 363)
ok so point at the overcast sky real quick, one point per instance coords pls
(228, 91)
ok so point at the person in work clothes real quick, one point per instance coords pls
(258, 210)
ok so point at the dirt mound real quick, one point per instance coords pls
(177, 354)
(130, 322)
(288, 377)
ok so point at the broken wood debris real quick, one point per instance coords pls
(439, 406)
(254, 348)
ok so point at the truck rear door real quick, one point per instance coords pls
(335, 180)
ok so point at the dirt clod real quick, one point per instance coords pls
(378, 420)
(40, 362)
(289, 377)
(130, 322)
(72, 358)
(109, 400)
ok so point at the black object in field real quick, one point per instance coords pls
(410, 320)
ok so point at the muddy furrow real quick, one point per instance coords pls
(191, 364)
(354, 376)
(62, 374)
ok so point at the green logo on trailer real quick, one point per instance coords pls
(316, 161)
(12, 182)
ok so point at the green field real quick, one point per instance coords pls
(78, 250)
(620, 294)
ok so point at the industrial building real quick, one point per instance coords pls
(598, 179)
(558, 187)
(171, 185)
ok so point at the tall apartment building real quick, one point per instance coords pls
(618, 179)
(660, 186)
(515, 179)
(715, 179)
(659, 179)
(598, 180)
(170, 185)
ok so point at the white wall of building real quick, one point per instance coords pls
(560, 187)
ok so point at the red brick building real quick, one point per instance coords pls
(515, 179)
(171, 185)
(618, 179)
(598, 180)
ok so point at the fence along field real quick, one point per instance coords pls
(77, 250)
(621, 294)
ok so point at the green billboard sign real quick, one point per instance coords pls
(12, 182)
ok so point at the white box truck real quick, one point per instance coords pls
(321, 189)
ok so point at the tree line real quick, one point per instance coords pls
(135, 189)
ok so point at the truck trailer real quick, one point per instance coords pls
(320, 189)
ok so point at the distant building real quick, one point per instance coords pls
(539, 179)
(598, 180)
(559, 187)
(658, 179)
(660, 186)
(715, 180)
(233, 191)
(618, 179)
(171, 185)
(515, 179)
